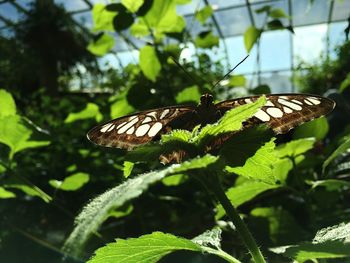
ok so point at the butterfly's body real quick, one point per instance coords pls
(281, 113)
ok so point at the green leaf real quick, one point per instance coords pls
(139, 29)
(345, 146)
(127, 169)
(102, 18)
(145, 249)
(206, 39)
(260, 165)
(345, 83)
(119, 213)
(261, 89)
(174, 180)
(264, 9)
(72, 182)
(231, 121)
(295, 147)
(251, 36)
(176, 135)
(122, 21)
(149, 62)
(102, 45)
(95, 212)
(317, 128)
(16, 136)
(188, 94)
(7, 104)
(330, 242)
(243, 193)
(275, 25)
(203, 14)
(278, 13)
(120, 105)
(237, 81)
(4, 194)
(281, 169)
(30, 190)
(331, 184)
(209, 238)
(132, 5)
(91, 111)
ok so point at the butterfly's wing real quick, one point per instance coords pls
(136, 129)
(283, 112)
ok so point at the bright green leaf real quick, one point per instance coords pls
(102, 18)
(278, 13)
(72, 182)
(345, 146)
(331, 184)
(145, 249)
(7, 104)
(188, 94)
(260, 165)
(177, 135)
(127, 169)
(149, 62)
(91, 111)
(345, 83)
(317, 128)
(243, 193)
(95, 212)
(237, 81)
(206, 39)
(251, 36)
(203, 14)
(6, 194)
(120, 105)
(30, 190)
(102, 45)
(281, 169)
(295, 147)
(16, 136)
(118, 213)
(132, 5)
(139, 29)
(174, 180)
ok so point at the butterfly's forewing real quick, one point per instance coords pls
(283, 112)
(133, 130)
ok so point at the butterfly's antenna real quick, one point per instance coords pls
(228, 73)
(186, 72)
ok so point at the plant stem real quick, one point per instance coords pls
(214, 185)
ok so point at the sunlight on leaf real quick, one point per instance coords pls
(127, 168)
(72, 182)
(206, 39)
(260, 165)
(4, 194)
(203, 14)
(102, 45)
(91, 111)
(174, 180)
(7, 104)
(317, 128)
(345, 146)
(145, 249)
(176, 135)
(188, 94)
(209, 237)
(295, 147)
(120, 105)
(132, 5)
(16, 136)
(30, 190)
(251, 36)
(95, 212)
(149, 62)
(345, 83)
(102, 18)
(237, 81)
(243, 193)
(278, 13)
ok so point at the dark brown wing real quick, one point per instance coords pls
(136, 129)
(283, 112)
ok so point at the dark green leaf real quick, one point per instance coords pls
(206, 40)
(345, 83)
(317, 128)
(122, 21)
(261, 89)
(275, 25)
(264, 9)
(345, 146)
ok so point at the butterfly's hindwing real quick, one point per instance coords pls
(283, 112)
(139, 128)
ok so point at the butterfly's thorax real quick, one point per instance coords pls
(206, 110)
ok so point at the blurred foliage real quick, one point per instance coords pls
(287, 188)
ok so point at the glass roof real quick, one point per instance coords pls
(318, 26)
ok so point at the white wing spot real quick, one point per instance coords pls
(287, 110)
(110, 128)
(147, 120)
(290, 104)
(275, 112)
(247, 100)
(120, 125)
(131, 130)
(307, 102)
(155, 129)
(164, 113)
(106, 127)
(132, 117)
(262, 115)
(297, 102)
(128, 125)
(314, 100)
(142, 130)
(153, 114)
(269, 104)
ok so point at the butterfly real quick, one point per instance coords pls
(282, 112)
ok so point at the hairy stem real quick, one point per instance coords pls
(213, 183)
